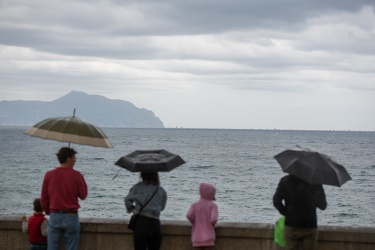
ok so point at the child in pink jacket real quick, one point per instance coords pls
(203, 215)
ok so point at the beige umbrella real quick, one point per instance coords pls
(70, 129)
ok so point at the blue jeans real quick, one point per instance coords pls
(67, 225)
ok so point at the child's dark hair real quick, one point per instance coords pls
(37, 205)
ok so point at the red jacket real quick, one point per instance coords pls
(35, 234)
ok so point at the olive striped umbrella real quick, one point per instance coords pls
(70, 129)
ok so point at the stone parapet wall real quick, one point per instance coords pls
(108, 234)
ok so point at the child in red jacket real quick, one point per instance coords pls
(37, 227)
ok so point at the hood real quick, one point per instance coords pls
(207, 191)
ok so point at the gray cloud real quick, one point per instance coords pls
(88, 27)
(298, 49)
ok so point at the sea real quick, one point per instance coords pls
(239, 163)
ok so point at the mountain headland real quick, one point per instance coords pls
(95, 109)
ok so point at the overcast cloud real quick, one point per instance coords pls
(265, 64)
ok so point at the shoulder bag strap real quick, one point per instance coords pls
(140, 210)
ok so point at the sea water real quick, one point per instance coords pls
(239, 163)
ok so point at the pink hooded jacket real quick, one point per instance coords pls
(203, 216)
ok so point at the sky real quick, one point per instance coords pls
(237, 64)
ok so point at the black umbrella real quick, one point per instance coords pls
(312, 167)
(150, 161)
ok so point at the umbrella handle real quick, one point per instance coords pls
(114, 177)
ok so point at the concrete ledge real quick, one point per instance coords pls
(105, 234)
(347, 234)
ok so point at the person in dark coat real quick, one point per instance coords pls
(297, 200)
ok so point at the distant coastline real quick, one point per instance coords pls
(96, 109)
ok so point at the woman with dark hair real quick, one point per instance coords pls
(149, 197)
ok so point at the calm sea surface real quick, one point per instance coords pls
(238, 162)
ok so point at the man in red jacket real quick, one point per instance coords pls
(61, 189)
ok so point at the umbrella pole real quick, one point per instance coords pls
(74, 115)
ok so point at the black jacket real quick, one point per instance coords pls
(297, 201)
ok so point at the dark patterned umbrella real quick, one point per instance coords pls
(150, 161)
